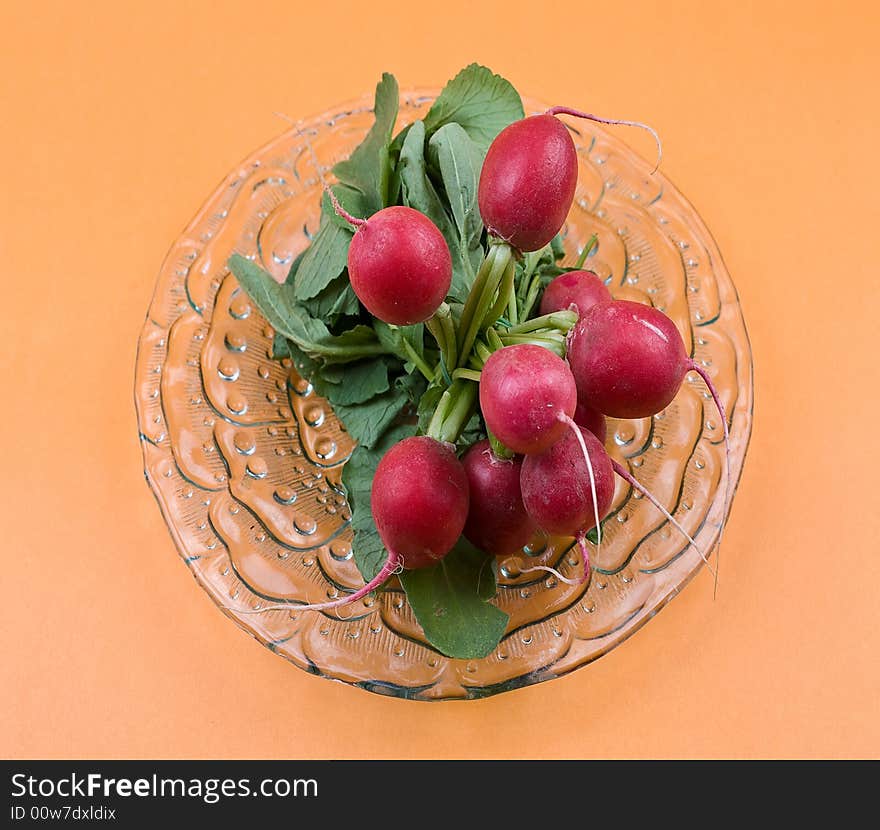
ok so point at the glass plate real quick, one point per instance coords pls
(245, 460)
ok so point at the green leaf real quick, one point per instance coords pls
(413, 385)
(428, 404)
(474, 430)
(323, 261)
(368, 169)
(480, 101)
(278, 305)
(355, 383)
(357, 478)
(393, 337)
(294, 266)
(354, 203)
(450, 601)
(280, 347)
(458, 161)
(335, 300)
(367, 421)
(417, 191)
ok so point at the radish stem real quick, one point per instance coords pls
(417, 360)
(505, 290)
(498, 449)
(561, 320)
(481, 296)
(444, 315)
(591, 243)
(467, 374)
(581, 539)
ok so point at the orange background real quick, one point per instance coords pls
(120, 118)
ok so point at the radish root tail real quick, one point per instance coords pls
(695, 367)
(581, 537)
(634, 483)
(392, 563)
(590, 117)
(341, 211)
(547, 569)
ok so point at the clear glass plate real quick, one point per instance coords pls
(245, 460)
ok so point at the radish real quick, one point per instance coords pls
(568, 489)
(587, 417)
(528, 178)
(629, 361)
(581, 289)
(497, 521)
(527, 182)
(399, 264)
(523, 390)
(419, 500)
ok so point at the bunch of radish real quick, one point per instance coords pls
(543, 386)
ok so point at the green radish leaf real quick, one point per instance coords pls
(416, 188)
(450, 602)
(428, 404)
(323, 261)
(417, 191)
(280, 347)
(393, 337)
(394, 196)
(353, 201)
(278, 305)
(357, 478)
(413, 385)
(363, 189)
(294, 266)
(368, 169)
(366, 422)
(457, 161)
(354, 383)
(479, 101)
(474, 430)
(337, 299)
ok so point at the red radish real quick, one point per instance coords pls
(582, 289)
(561, 509)
(527, 182)
(419, 500)
(497, 520)
(629, 361)
(523, 390)
(398, 263)
(587, 417)
(568, 489)
(529, 176)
